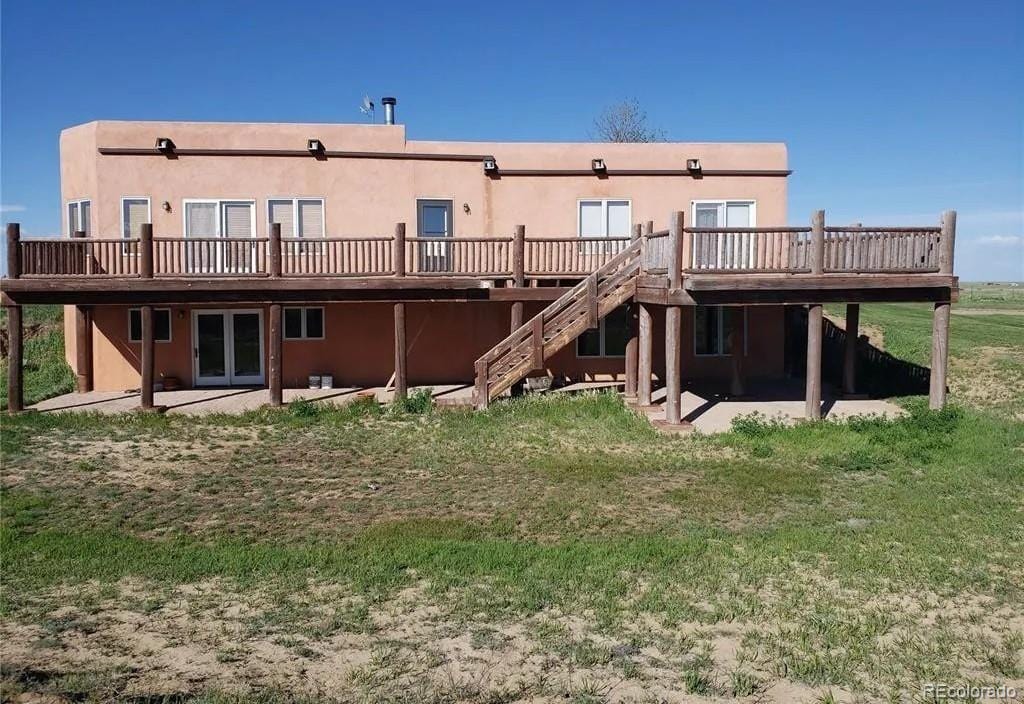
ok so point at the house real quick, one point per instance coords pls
(248, 254)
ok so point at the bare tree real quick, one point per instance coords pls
(626, 122)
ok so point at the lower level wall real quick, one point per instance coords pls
(444, 339)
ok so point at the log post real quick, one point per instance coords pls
(537, 342)
(83, 349)
(276, 352)
(940, 355)
(947, 242)
(518, 280)
(814, 325)
(275, 251)
(147, 353)
(398, 253)
(401, 380)
(13, 250)
(632, 342)
(737, 344)
(673, 383)
(645, 357)
(850, 348)
(593, 314)
(146, 251)
(817, 262)
(675, 256)
(481, 398)
(15, 352)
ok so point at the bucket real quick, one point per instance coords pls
(314, 381)
(326, 381)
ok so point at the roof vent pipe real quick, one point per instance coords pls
(389, 110)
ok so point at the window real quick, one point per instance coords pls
(603, 218)
(609, 338)
(713, 329)
(725, 214)
(219, 218)
(78, 217)
(298, 217)
(161, 325)
(303, 323)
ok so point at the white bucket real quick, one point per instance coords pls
(314, 381)
(326, 381)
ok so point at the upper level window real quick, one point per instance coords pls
(608, 339)
(298, 217)
(134, 214)
(724, 213)
(721, 249)
(78, 217)
(603, 218)
(220, 218)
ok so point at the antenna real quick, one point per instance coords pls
(367, 108)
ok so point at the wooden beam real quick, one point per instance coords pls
(15, 358)
(814, 329)
(673, 350)
(401, 380)
(83, 349)
(940, 356)
(645, 358)
(850, 348)
(796, 282)
(537, 340)
(593, 316)
(276, 382)
(146, 358)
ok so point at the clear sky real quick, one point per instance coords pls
(892, 111)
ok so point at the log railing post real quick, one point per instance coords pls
(13, 250)
(813, 390)
(481, 396)
(146, 361)
(275, 250)
(675, 254)
(638, 231)
(632, 341)
(15, 353)
(398, 254)
(276, 349)
(817, 262)
(947, 242)
(146, 251)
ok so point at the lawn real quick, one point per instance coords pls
(551, 549)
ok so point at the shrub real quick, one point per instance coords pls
(756, 425)
(418, 402)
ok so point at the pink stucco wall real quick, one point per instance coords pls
(367, 197)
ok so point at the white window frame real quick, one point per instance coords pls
(170, 326)
(721, 331)
(77, 203)
(601, 344)
(594, 246)
(124, 233)
(218, 266)
(295, 212)
(724, 204)
(305, 335)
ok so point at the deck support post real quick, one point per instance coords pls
(518, 280)
(275, 354)
(814, 328)
(401, 381)
(83, 349)
(673, 383)
(645, 341)
(15, 356)
(632, 337)
(940, 356)
(147, 352)
(738, 345)
(850, 349)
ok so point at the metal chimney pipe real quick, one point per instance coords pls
(389, 110)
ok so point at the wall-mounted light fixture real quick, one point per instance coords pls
(165, 145)
(693, 166)
(490, 166)
(316, 148)
(598, 165)
(166, 205)
(465, 208)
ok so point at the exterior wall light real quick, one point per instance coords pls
(490, 166)
(166, 205)
(693, 166)
(316, 148)
(598, 165)
(165, 145)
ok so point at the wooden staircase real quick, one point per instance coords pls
(560, 323)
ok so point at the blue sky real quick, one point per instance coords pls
(892, 111)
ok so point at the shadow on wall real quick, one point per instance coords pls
(879, 374)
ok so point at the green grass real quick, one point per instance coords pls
(46, 372)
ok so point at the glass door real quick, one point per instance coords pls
(236, 226)
(434, 220)
(228, 347)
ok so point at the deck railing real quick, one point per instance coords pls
(816, 250)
